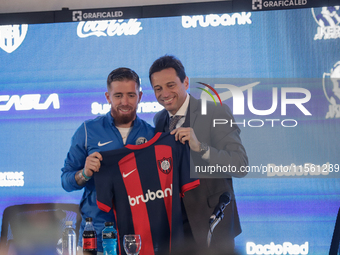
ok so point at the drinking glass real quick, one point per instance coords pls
(132, 244)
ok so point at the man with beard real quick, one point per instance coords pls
(118, 127)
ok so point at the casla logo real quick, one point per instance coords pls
(331, 88)
(28, 102)
(329, 23)
(11, 36)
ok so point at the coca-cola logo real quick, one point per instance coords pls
(108, 28)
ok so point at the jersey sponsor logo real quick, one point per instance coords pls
(12, 36)
(108, 28)
(126, 175)
(331, 88)
(102, 144)
(141, 140)
(329, 22)
(165, 165)
(150, 195)
(28, 102)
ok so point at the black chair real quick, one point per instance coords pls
(334, 249)
(36, 228)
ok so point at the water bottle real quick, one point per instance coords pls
(109, 235)
(89, 238)
(69, 240)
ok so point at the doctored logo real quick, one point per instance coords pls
(331, 88)
(272, 248)
(302, 96)
(12, 36)
(328, 20)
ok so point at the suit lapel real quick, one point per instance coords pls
(162, 123)
(192, 112)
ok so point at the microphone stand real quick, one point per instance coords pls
(212, 225)
(217, 215)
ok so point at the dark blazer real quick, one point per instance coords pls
(225, 148)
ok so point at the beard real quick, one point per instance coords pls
(122, 118)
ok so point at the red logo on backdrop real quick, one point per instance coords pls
(165, 165)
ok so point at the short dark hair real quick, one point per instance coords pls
(165, 62)
(121, 74)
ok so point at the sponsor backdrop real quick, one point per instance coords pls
(285, 63)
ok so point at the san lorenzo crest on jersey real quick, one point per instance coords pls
(141, 140)
(165, 165)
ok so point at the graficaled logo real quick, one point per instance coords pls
(329, 22)
(77, 15)
(257, 5)
(11, 36)
(331, 88)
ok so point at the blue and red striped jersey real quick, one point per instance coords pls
(143, 184)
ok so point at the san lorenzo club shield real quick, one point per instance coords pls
(165, 165)
(11, 36)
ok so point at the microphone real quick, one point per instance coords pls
(218, 211)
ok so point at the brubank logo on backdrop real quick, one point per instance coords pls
(236, 93)
(216, 20)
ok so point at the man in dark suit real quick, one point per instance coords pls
(210, 146)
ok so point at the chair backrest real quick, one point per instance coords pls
(36, 228)
(335, 249)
